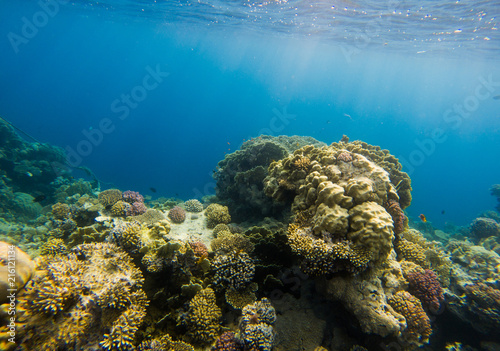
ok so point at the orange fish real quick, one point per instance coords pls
(422, 217)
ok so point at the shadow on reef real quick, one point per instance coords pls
(307, 247)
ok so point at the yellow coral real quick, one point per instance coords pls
(412, 252)
(219, 228)
(53, 247)
(120, 208)
(61, 211)
(109, 197)
(217, 214)
(203, 317)
(418, 327)
(227, 242)
(240, 298)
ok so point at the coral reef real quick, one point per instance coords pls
(397, 214)
(217, 214)
(495, 191)
(199, 248)
(54, 247)
(238, 299)
(203, 317)
(340, 222)
(256, 326)
(164, 343)
(193, 205)
(61, 211)
(418, 327)
(120, 208)
(88, 299)
(177, 214)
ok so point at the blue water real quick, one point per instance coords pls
(154, 94)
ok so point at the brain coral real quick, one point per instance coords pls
(91, 297)
(203, 317)
(418, 327)
(217, 214)
(193, 205)
(177, 214)
(484, 227)
(120, 208)
(338, 207)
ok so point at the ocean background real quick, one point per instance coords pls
(388, 74)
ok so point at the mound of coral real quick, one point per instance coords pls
(240, 175)
(341, 223)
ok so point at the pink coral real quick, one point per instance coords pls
(136, 208)
(132, 196)
(227, 342)
(397, 214)
(177, 214)
(199, 248)
(344, 156)
(426, 287)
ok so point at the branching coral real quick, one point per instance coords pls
(256, 326)
(235, 270)
(203, 317)
(418, 327)
(87, 298)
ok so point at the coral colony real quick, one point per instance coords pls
(298, 233)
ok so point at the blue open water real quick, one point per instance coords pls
(155, 93)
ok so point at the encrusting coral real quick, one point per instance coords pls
(88, 299)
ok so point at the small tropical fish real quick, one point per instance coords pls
(39, 198)
(153, 190)
(29, 174)
(422, 217)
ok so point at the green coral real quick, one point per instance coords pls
(217, 214)
(203, 317)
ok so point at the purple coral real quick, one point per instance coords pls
(426, 287)
(227, 342)
(397, 214)
(344, 156)
(177, 214)
(136, 208)
(132, 196)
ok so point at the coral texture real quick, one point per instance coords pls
(340, 222)
(193, 205)
(203, 317)
(137, 208)
(88, 299)
(235, 270)
(217, 214)
(256, 326)
(177, 214)
(132, 196)
(109, 197)
(484, 227)
(418, 327)
(227, 342)
(426, 287)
